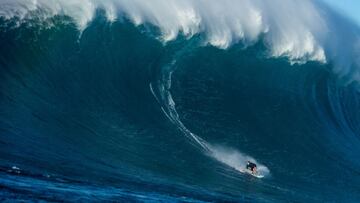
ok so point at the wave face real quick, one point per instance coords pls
(118, 101)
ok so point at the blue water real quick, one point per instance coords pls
(114, 114)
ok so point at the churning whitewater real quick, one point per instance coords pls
(159, 100)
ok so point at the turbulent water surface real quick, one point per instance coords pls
(166, 101)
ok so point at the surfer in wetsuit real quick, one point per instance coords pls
(251, 166)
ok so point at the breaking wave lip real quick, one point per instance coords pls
(298, 30)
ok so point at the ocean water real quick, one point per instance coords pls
(166, 101)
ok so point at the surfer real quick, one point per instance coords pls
(251, 166)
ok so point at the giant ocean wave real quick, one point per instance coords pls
(166, 100)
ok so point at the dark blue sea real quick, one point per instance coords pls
(112, 112)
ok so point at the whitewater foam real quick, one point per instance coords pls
(299, 30)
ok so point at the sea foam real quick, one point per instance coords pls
(300, 30)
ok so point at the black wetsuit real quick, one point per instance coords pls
(250, 166)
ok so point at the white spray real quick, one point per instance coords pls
(301, 30)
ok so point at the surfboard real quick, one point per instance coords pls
(257, 175)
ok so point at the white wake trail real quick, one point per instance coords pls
(230, 157)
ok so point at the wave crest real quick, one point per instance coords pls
(298, 30)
